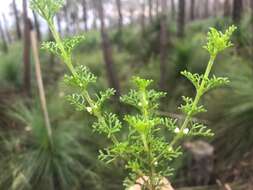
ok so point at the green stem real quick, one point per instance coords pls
(68, 61)
(65, 56)
(145, 136)
(199, 94)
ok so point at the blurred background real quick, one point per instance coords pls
(154, 39)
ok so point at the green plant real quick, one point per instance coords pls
(145, 151)
(9, 68)
(233, 129)
(30, 160)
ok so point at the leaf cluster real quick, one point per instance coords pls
(47, 8)
(218, 41)
(66, 47)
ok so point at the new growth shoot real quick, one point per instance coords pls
(145, 150)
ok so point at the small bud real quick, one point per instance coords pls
(28, 128)
(156, 163)
(139, 104)
(186, 131)
(89, 109)
(177, 130)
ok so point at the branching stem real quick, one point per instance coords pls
(68, 61)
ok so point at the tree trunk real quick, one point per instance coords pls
(237, 11)
(17, 22)
(192, 6)
(143, 8)
(26, 51)
(157, 6)
(94, 24)
(3, 38)
(163, 46)
(75, 22)
(251, 6)
(107, 51)
(84, 7)
(150, 10)
(6, 28)
(226, 8)
(206, 14)
(181, 18)
(65, 11)
(173, 9)
(37, 26)
(52, 56)
(131, 16)
(120, 17)
(216, 5)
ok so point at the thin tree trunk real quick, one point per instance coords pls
(84, 6)
(251, 6)
(192, 9)
(120, 17)
(163, 46)
(107, 51)
(76, 23)
(216, 7)
(150, 10)
(131, 17)
(6, 28)
(206, 14)
(173, 9)
(17, 21)
(39, 81)
(37, 26)
(65, 11)
(143, 8)
(52, 56)
(3, 38)
(237, 11)
(94, 24)
(26, 51)
(157, 3)
(181, 18)
(226, 8)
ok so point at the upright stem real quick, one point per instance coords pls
(68, 60)
(199, 93)
(147, 146)
(58, 40)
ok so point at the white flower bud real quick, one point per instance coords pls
(186, 131)
(177, 130)
(89, 109)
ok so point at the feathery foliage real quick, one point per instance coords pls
(145, 151)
